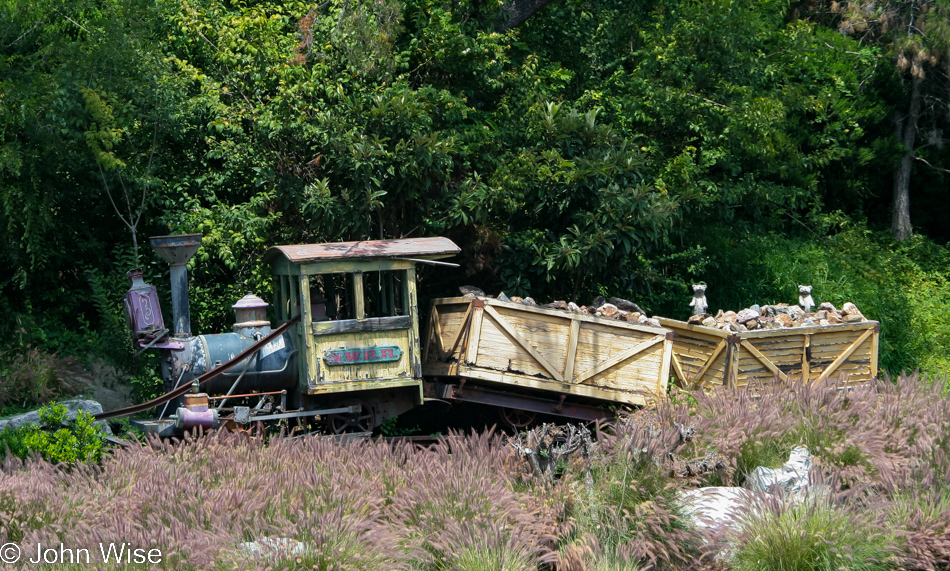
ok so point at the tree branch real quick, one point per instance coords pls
(938, 169)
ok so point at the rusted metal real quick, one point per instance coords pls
(250, 312)
(247, 395)
(422, 247)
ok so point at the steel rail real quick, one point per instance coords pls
(204, 378)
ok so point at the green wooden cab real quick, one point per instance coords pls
(359, 315)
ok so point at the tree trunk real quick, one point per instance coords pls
(906, 136)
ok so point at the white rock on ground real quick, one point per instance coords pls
(273, 547)
(73, 406)
(715, 507)
(792, 477)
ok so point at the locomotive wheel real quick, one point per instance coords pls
(517, 418)
(364, 421)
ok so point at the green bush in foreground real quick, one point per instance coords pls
(56, 438)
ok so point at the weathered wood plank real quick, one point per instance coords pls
(466, 317)
(695, 381)
(617, 359)
(763, 359)
(844, 355)
(361, 325)
(523, 343)
(572, 350)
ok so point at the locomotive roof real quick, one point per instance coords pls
(436, 247)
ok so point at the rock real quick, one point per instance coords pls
(772, 324)
(517, 299)
(560, 304)
(530, 301)
(73, 406)
(824, 322)
(808, 322)
(756, 307)
(503, 297)
(741, 327)
(697, 319)
(826, 306)
(625, 305)
(623, 315)
(729, 317)
(471, 291)
(747, 315)
(709, 322)
(652, 322)
(850, 309)
(792, 477)
(634, 317)
(796, 313)
(833, 319)
(784, 320)
(642, 319)
(822, 314)
(609, 311)
(714, 507)
(273, 547)
(751, 325)
(598, 301)
(853, 318)
(573, 307)
(719, 314)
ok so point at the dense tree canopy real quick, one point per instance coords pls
(601, 146)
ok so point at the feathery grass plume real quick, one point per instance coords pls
(818, 533)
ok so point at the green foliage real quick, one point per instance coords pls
(813, 535)
(56, 438)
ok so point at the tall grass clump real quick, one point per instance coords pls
(812, 535)
(31, 377)
(623, 511)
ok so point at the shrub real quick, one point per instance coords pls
(56, 439)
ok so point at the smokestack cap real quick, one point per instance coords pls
(250, 313)
(176, 250)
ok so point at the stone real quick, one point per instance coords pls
(560, 304)
(710, 322)
(751, 325)
(598, 301)
(784, 320)
(715, 507)
(808, 322)
(652, 322)
(625, 304)
(833, 319)
(697, 319)
(609, 311)
(773, 324)
(517, 299)
(719, 314)
(642, 319)
(273, 547)
(792, 477)
(729, 316)
(741, 327)
(747, 315)
(471, 291)
(623, 315)
(503, 297)
(822, 314)
(853, 318)
(796, 313)
(826, 306)
(73, 407)
(756, 307)
(530, 301)
(850, 309)
(824, 322)
(573, 307)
